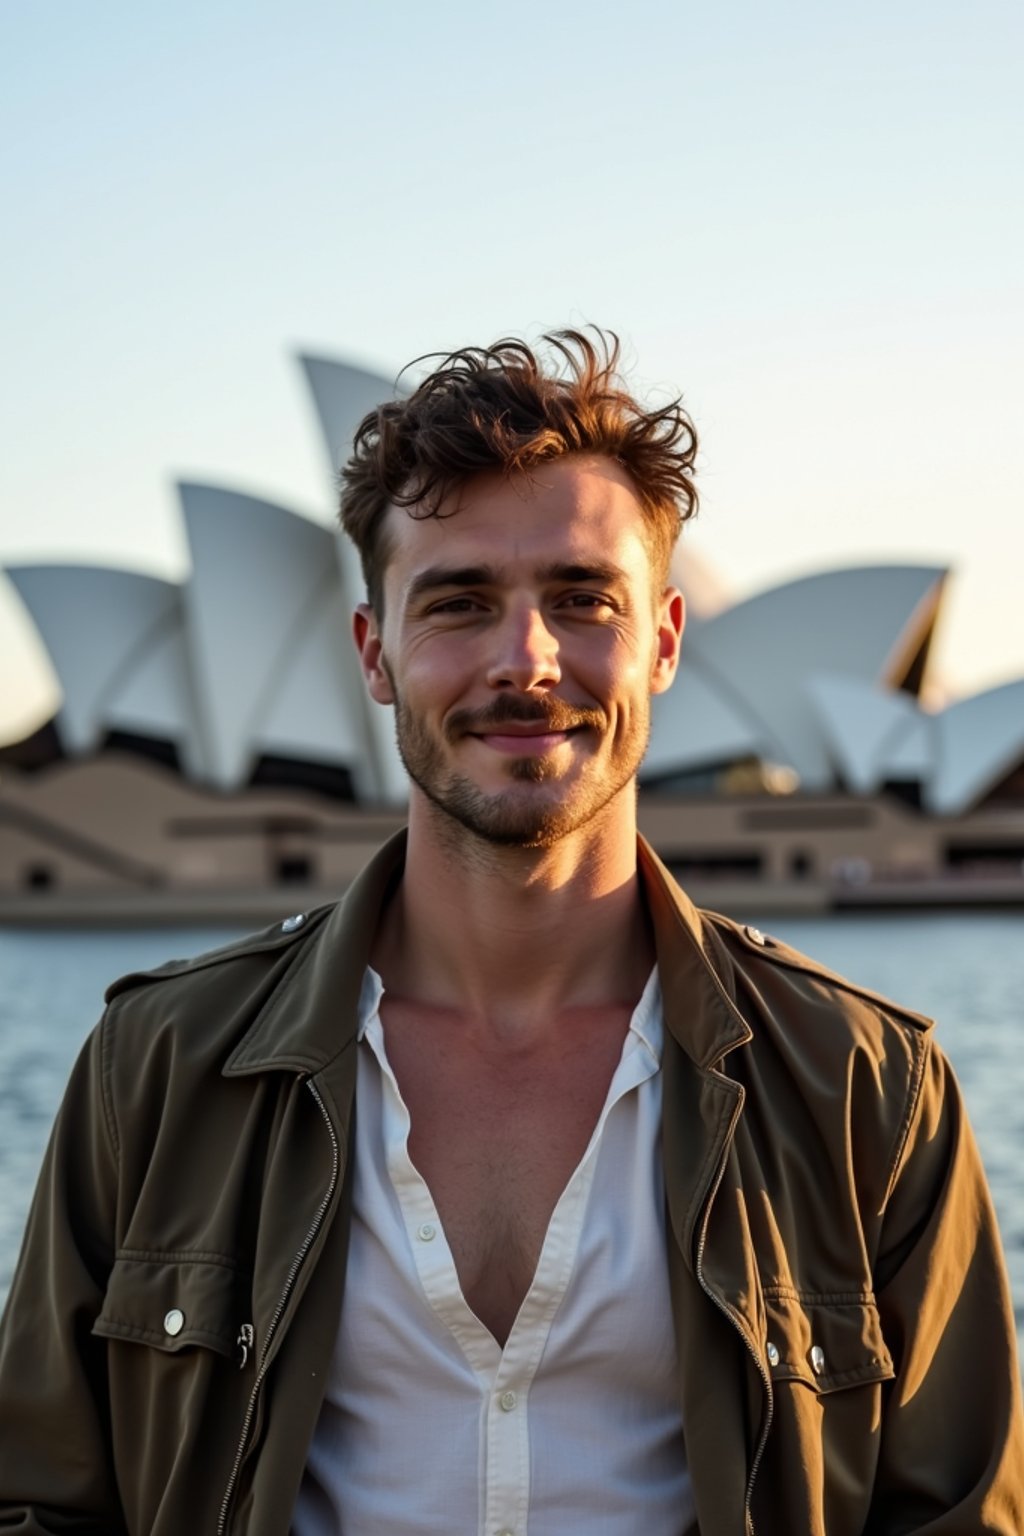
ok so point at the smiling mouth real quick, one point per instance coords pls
(531, 742)
(524, 728)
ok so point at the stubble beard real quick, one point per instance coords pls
(517, 818)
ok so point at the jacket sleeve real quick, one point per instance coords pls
(56, 1471)
(952, 1436)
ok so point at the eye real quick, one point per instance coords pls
(587, 601)
(456, 605)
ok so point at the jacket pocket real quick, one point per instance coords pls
(827, 1342)
(173, 1302)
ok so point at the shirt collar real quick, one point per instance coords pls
(646, 1022)
(369, 1000)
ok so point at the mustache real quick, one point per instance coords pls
(552, 714)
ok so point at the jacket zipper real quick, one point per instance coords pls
(282, 1302)
(759, 1363)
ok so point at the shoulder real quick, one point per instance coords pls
(787, 977)
(252, 951)
(818, 1030)
(215, 994)
(826, 1055)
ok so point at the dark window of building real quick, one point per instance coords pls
(1009, 791)
(698, 781)
(294, 869)
(39, 877)
(907, 791)
(152, 748)
(328, 779)
(801, 864)
(36, 751)
(716, 866)
(985, 859)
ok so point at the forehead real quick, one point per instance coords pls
(571, 507)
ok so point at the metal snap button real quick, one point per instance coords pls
(174, 1322)
(817, 1359)
(773, 1355)
(290, 924)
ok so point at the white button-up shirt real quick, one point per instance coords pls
(429, 1425)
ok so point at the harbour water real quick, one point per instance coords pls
(966, 970)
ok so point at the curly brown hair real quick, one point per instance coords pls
(505, 407)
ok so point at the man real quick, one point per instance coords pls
(512, 1194)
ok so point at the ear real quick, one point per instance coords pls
(671, 623)
(366, 635)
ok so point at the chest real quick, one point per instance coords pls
(497, 1135)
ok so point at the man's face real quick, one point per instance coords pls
(523, 637)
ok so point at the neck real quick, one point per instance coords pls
(514, 935)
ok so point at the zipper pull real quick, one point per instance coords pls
(245, 1341)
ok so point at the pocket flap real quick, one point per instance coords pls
(827, 1342)
(171, 1303)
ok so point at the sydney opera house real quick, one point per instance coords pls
(215, 753)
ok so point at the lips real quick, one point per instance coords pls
(532, 742)
(518, 723)
(538, 728)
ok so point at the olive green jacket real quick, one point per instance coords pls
(847, 1360)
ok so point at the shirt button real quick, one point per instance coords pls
(817, 1359)
(427, 1232)
(507, 1401)
(773, 1355)
(290, 924)
(755, 936)
(174, 1322)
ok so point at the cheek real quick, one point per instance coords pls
(434, 674)
(629, 670)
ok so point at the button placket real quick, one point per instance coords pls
(508, 1450)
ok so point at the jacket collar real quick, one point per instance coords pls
(700, 1006)
(312, 1015)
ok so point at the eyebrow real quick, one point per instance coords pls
(437, 576)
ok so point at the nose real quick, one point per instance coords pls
(525, 654)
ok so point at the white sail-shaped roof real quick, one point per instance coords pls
(865, 622)
(978, 741)
(116, 642)
(694, 726)
(316, 706)
(859, 720)
(343, 394)
(258, 599)
(910, 752)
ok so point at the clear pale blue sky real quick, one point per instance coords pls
(808, 217)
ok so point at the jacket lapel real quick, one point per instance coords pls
(716, 1296)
